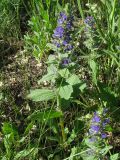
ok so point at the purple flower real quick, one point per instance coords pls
(96, 118)
(89, 21)
(63, 15)
(58, 33)
(95, 128)
(62, 33)
(68, 25)
(57, 44)
(62, 19)
(103, 135)
(65, 61)
(105, 122)
(69, 47)
(65, 43)
(67, 37)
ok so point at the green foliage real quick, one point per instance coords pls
(23, 154)
(44, 116)
(10, 18)
(41, 95)
(54, 120)
(65, 91)
(41, 26)
(10, 135)
(114, 156)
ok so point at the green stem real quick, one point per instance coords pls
(62, 130)
(80, 9)
(61, 122)
(112, 16)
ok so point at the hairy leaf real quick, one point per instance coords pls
(41, 95)
(66, 91)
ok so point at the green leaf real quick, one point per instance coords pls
(28, 128)
(51, 138)
(114, 156)
(44, 116)
(22, 139)
(82, 87)
(93, 66)
(51, 59)
(90, 144)
(38, 95)
(52, 47)
(73, 152)
(8, 141)
(109, 128)
(106, 149)
(64, 73)
(7, 128)
(90, 154)
(23, 154)
(73, 80)
(65, 91)
(4, 158)
(47, 77)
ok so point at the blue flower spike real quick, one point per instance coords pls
(98, 124)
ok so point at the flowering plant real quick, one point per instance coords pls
(95, 140)
(63, 83)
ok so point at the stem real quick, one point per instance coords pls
(112, 16)
(61, 122)
(62, 129)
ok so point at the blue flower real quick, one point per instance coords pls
(62, 33)
(69, 25)
(63, 16)
(98, 124)
(65, 43)
(95, 128)
(57, 44)
(58, 33)
(89, 21)
(96, 118)
(105, 122)
(65, 61)
(62, 19)
(103, 135)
